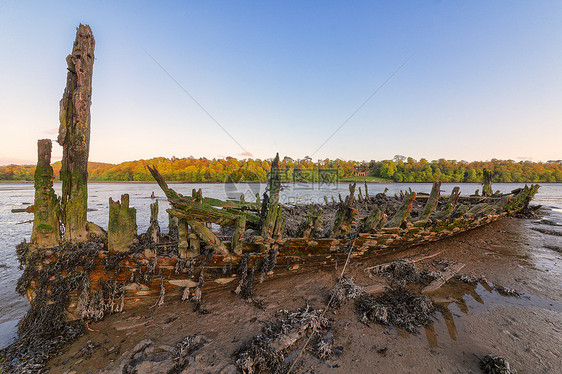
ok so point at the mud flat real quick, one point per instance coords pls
(511, 307)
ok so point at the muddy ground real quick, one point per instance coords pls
(471, 320)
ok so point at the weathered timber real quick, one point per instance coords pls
(366, 192)
(195, 209)
(46, 207)
(153, 231)
(207, 236)
(431, 202)
(273, 214)
(460, 211)
(74, 134)
(172, 227)
(28, 209)
(312, 224)
(403, 212)
(239, 229)
(122, 227)
(345, 216)
(444, 278)
(487, 183)
(370, 223)
(450, 205)
(182, 232)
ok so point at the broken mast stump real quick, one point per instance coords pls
(74, 134)
(46, 207)
(122, 227)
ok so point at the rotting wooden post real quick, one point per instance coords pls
(239, 229)
(46, 207)
(173, 227)
(74, 134)
(369, 223)
(194, 245)
(346, 214)
(487, 183)
(122, 227)
(403, 212)
(431, 203)
(182, 234)
(366, 191)
(450, 205)
(274, 212)
(311, 227)
(153, 231)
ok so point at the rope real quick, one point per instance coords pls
(324, 311)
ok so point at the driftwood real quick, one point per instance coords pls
(74, 134)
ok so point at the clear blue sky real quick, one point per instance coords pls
(483, 79)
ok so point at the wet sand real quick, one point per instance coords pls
(474, 321)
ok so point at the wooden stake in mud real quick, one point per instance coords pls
(74, 134)
(122, 227)
(450, 205)
(46, 208)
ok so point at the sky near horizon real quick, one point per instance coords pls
(361, 80)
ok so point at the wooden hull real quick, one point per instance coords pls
(144, 275)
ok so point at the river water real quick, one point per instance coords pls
(16, 227)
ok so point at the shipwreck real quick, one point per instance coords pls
(75, 270)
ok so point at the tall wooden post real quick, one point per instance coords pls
(74, 134)
(46, 208)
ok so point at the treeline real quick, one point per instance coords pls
(400, 169)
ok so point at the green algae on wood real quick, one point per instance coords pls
(46, 207)
(74, 134)
(122, 228)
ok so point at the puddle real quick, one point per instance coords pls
(456, 298)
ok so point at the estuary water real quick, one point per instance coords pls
(17, 226)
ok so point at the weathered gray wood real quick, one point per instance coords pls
(445, 277)
(74, 134)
